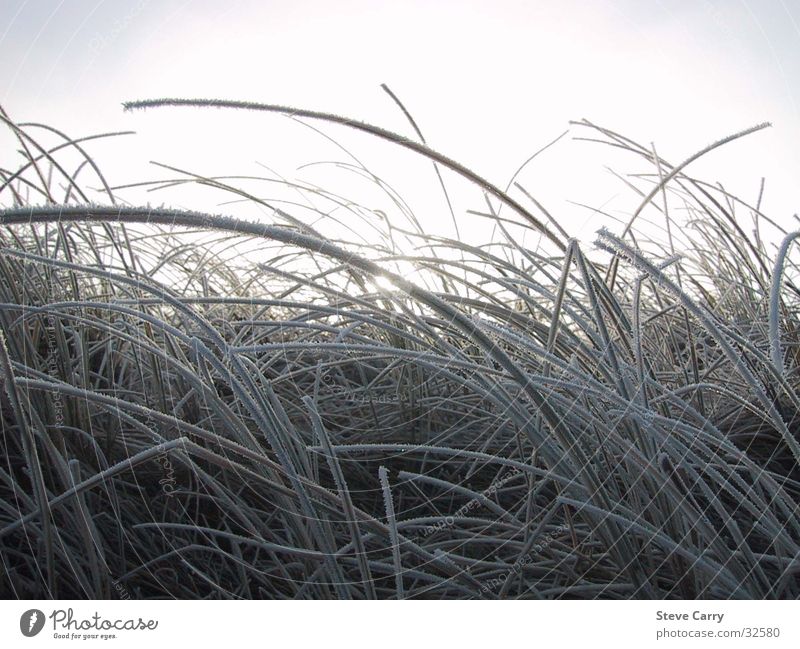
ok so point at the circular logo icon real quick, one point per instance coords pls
(31, 622)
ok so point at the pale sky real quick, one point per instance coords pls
(488, 82)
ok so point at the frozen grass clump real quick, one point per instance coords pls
(199, 406)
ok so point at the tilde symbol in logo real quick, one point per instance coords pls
(31, 622)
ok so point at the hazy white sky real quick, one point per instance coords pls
(488, 82)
